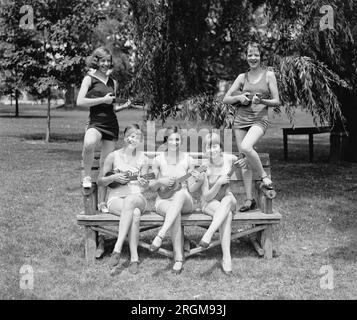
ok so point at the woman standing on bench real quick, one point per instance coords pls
(217, 199)
(169, 166)
(252, 116)
(126, 199)
(97, 92)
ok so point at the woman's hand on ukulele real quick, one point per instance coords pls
(108, 98)
(244, 98)
(143, 181)
(199, 176)
(120, 177)
(242, 163)
(256, 98)
(168, 181)
(223, 180)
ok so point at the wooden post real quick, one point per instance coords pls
(311, 147)
(285, 137)
(90, 244)
(266, 242)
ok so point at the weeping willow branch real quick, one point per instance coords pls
(310, 85)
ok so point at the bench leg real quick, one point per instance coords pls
(90, 244)
(266, 242)
(311, 147)
(285, 137)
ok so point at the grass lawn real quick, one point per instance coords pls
(40, 197)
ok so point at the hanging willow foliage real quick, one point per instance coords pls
(309, 84)
(208, 108)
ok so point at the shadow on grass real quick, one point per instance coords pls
(71, 155)
(28, 116)
(346, 253)
(342, 218)
(55, 137)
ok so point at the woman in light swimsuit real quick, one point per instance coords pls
(215, 203)
(169, 166)
(126, 199)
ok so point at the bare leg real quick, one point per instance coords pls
(220, 213)
(107, 147)
(177, 243)
(225, 231)
(91, 138)
(247, 173)
(130, 204)
(173, 211)
(133, 235)
(247, 146)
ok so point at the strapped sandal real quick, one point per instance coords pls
(203, 244)
(246, 207)
(154, 248)
(134, 267)
(226, 272)
(177, 271)
(268, 186)
(102, 207)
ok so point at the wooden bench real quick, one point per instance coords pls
(303, 130)
(256, 225)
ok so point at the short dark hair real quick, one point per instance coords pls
(131, 128)
(254, 44)
(99, 53)
(170, 130)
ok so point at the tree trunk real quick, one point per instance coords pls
(343, 139)
(16, 103)
(69, 96)
(48, 115)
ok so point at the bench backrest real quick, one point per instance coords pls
(237, 186)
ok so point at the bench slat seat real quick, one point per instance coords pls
(254, 216)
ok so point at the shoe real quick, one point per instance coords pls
(154, 248)
(203, 244)
(228, 272)
(114, 259)
(87, 182)
(102, 207)
(177, 270)
(247, 207)
(269, 185)
(134, 267)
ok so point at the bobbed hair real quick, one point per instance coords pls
(131, 128)
(99, 53)
(212, 138)
(170, 130)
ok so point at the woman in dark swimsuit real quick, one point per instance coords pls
(252, 116)
(97, 92)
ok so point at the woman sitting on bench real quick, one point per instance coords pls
(168, 167)
(125, 197)
(217, 199)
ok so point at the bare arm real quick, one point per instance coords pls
(209, 194)
(231, 98)
(107, 166)
(82, 101)
(194, 183)
(155, 184)
(273, 87)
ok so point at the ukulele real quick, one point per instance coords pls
(168, 192)
(129, 175)
(265, 95)
(222, 191)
